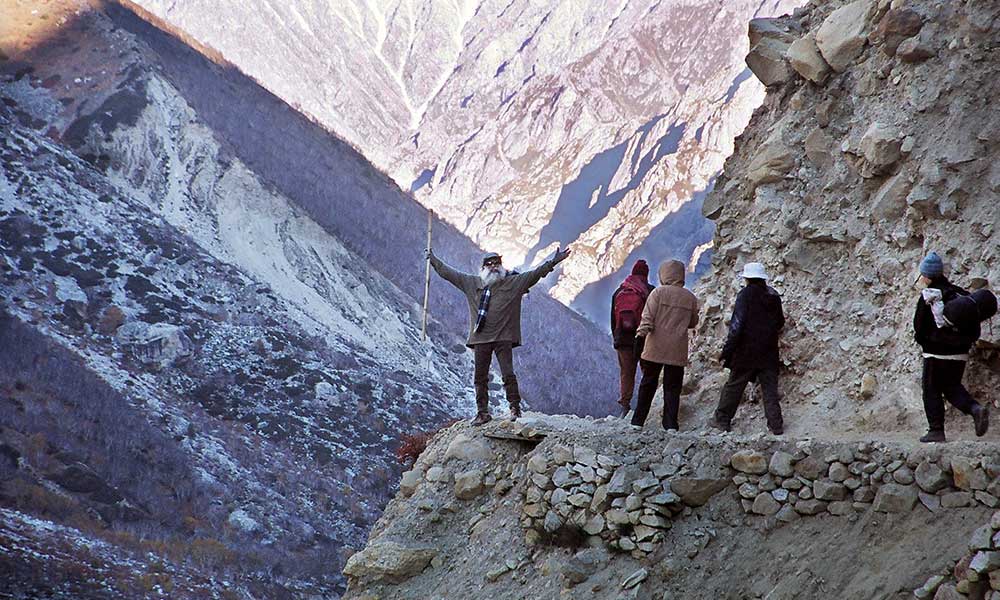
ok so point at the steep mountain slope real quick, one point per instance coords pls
(524, 124)
(203, 361)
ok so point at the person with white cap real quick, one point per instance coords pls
(751, 350)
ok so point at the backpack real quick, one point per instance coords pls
(965, 312)
(628, 308)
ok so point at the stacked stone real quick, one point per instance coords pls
(576, 492)
(843, 481)
(977, 575)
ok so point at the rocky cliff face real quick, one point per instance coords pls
(524, 124)
(877, 142)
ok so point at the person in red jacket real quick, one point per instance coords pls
(626, 312)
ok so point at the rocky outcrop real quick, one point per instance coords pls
(842, 182)
(592, 508)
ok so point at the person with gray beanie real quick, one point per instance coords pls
(945, 351)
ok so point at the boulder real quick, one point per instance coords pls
(79, 478)
(621, 481)
(157, 345)
(765, 504)
(409, 482)
(956, 499)
(787, 514)
(767, 62)
(817, 147)
(770, 164)
(895, 498)
(840, 508)
(388, 561)
(696, 491)
(468, 484)
(889, 202)
(468, 449)
(982, 539)
(842, 36)
(838, 472)
(111, 320)
(931, 478)
(968, 475)
(241, 520)
(749, 461)
(781, 464)
(803, 55)
(930, 586)
(825, 489)
(985, 561)
(915, 49)
(810, 467)
(930, 501)
(538, 463)
(810, 507)
(897, 25)
(881, 147)
(869, 384)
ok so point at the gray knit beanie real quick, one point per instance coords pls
(932, 266)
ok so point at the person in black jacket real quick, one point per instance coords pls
(751, 350)
(633, 291)
(945, 350)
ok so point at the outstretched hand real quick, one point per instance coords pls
(561, 255)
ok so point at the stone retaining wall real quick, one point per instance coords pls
(579, 495)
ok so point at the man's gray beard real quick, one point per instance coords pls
(489, 277)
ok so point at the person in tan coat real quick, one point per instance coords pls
(662, 343)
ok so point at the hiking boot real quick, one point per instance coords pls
(626, 409)
(481, 419)
(932, 436)
(714, 424)
(776, 430)
(515, 412)
(981, 417)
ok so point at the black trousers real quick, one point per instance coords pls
(732, 395)
(673, 378)
(944, 378)
(484, 358)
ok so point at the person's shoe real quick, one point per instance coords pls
(625, 410)
(981, 417)
(515, 412)
(776, 430)
(481, 419)
(636, 427)
(714, 424)
(932, 436)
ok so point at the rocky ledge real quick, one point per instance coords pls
(577, 497)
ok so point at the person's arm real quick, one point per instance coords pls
(735, 326)
(694, 316)
(920, 321)
(648, 320)
(530, 278)
(613, 296)
(456, 278)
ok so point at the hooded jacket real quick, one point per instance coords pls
(754, 330)
(503, 319)
(669, 312)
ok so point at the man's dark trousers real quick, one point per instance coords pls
(484, 357)
(732, 395)
(944, 378)
(673, 379)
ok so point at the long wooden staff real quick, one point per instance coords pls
(427, 277)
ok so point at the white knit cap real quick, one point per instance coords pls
(754, 271)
